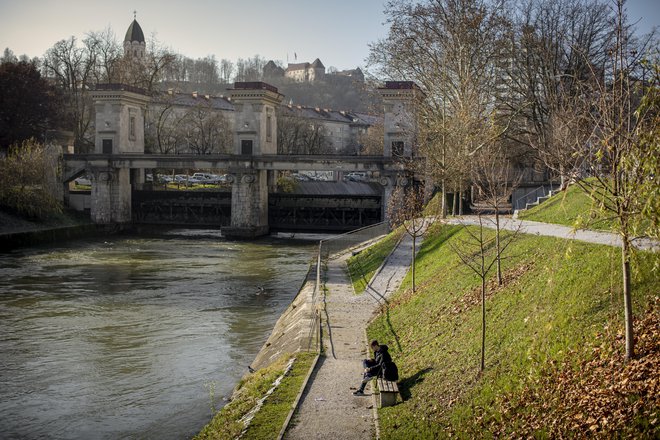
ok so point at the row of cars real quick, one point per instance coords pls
(195, 179)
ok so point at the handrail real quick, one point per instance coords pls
(362, 234)
(534, 191)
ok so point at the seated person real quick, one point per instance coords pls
(376, 366)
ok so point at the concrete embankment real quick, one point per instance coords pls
(294, 330)
(14, 240)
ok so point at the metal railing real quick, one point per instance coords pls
(327, 247)
(532, 196)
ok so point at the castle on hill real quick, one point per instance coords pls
(309, 72)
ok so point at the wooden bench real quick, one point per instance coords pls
(388, 391)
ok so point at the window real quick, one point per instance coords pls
(269, 128)
(107, 146)
(131, 128)
(397, 148)
(246, 146)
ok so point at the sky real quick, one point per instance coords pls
(336, 31)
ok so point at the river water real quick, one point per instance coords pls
(128, 337)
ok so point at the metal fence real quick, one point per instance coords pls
(532, 196)
(329, 247)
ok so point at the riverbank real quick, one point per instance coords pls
(16, 232)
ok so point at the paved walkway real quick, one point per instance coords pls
(559, 231)
(328, 409)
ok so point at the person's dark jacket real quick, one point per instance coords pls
(381, 358)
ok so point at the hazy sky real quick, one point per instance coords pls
(336, 31)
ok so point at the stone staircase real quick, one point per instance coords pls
(538, 201)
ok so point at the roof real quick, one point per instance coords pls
(317, 64)
(329, 115)
(134, 33)
(189, 100)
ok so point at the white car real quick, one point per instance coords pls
(83, 181)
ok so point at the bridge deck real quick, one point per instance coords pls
(74, 163)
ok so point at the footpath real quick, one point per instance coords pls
(328, 408)
(553, 230)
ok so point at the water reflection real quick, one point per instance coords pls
(117, 339)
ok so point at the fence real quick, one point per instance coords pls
(329, 247)
(532, 196)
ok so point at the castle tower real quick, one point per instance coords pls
(255, 135)
(134, 43)
(400, 102)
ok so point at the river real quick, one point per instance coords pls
(130, 337)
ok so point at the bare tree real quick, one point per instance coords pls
(163, 132)
(494, 181)
(479, 253)
(624, 166)
(226, 71)
(299, 135)
(206, 130)
(406, 209)
(72, 67)
(108, 58)
(553, 49)
(449, 48)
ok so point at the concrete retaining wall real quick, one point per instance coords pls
(292, 330)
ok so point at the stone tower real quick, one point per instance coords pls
(400, 102)
(255, 134)
(119, 129)
(134, 43)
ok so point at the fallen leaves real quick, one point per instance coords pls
(593, 392)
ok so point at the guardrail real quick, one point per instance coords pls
(532, 196)
(326, 248)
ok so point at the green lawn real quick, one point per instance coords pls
(572, 207)
(558, 295)
(363, 266)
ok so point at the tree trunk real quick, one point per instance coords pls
(483, 322)
(443, 205)
(497, 244)
(627, 301)
(460, 199)
(412, 265)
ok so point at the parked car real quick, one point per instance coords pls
(355, 177)
(205, 178)
(83, 181)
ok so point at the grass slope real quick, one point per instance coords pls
(363, 266)
(572, 207)
(558, 296)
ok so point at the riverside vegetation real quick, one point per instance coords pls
(228, 424)
(554, 346)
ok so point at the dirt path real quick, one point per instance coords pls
(328, 409)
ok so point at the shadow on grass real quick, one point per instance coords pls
(446, 233)
(406, 384)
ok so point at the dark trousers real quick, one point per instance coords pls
(368, 363)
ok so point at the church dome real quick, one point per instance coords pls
(134, 33)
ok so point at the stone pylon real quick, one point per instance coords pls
(255, 135)
(119, 129)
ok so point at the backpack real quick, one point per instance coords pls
(390, 372)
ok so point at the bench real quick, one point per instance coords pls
(388, 391)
